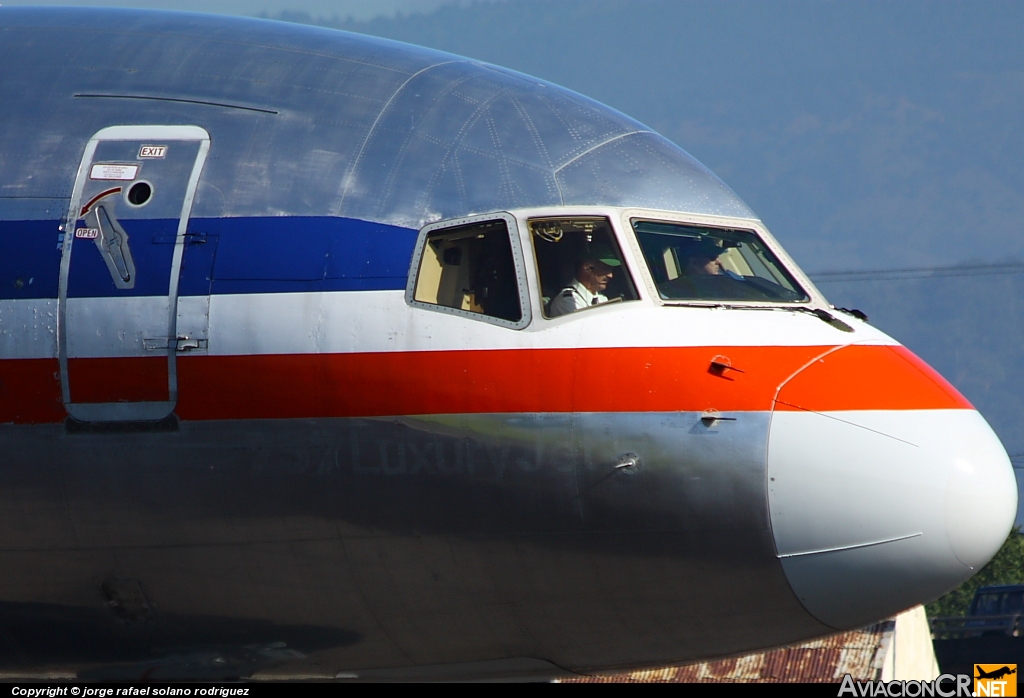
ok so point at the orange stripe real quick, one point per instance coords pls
(488, 381)
(453, 382)
(870, 378)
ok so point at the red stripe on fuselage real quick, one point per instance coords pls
(672, 379)
(660, 379)
(127, 379)
(455, 382)
(30, 391)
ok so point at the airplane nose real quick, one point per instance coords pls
(886, 488)
(981, 498)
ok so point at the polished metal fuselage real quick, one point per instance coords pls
(388, 542)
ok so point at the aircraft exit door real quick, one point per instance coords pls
(121, 258)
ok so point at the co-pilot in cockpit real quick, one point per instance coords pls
(579, 264)
(594, 269)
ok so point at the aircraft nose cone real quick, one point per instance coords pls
(886, 488)
(980, 499)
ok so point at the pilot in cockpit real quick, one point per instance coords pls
(702, 274)
(703, 259)
(594, 270)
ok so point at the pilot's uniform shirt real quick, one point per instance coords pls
(573, 298)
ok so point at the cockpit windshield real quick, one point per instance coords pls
(695, 263)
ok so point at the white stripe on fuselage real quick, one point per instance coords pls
(381, 321)
(28, 328)
(133, 326)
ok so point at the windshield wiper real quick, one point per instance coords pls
(859, 314)
(819, 313)
(824, 316)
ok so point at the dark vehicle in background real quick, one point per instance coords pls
(994, 610)
(989, 633)
(998, 609)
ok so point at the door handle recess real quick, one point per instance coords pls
(186, 344)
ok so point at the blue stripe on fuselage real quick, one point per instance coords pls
(223, 255)
(29, 259)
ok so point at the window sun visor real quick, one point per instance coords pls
(695, 263)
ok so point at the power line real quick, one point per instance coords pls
(826, 277)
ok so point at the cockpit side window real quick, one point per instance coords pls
(471, 269)
(579, 264)
(696, 263)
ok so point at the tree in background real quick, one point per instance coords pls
(1007, 567)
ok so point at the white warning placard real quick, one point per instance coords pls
(114, 172)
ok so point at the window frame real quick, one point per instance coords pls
(815, 299)
(515, 242)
